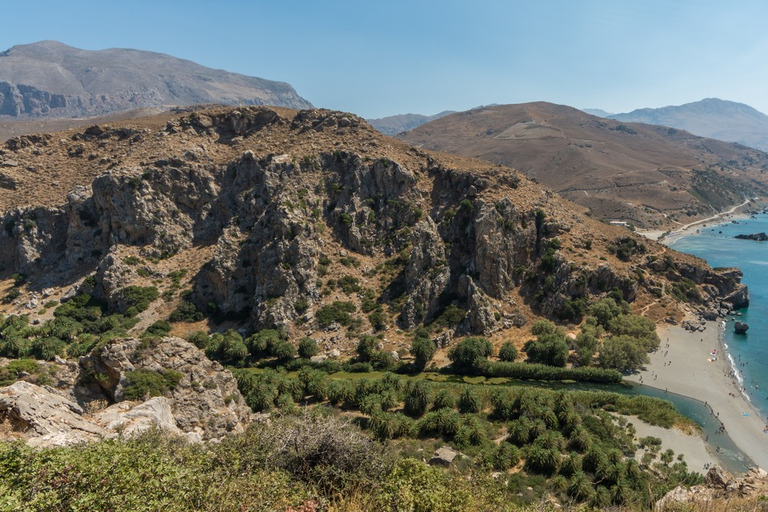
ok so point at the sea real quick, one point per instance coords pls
(748, 353)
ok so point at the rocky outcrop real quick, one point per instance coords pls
(720, 487)
(43, 417)
(740, 327)
(757, 237)
(203, 405)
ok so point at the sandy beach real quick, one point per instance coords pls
(685, 364)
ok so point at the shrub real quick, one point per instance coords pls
(469, 355)
(308, 348)
(138, 298)
(147, 382)
(508, 352)
(337, 312)
(159, 328)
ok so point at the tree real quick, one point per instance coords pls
(622, 353)
(470, 354)
(605, 310)
(308, 348)
(417, 399)
(508, 352)
(366, 347)
(423, 349)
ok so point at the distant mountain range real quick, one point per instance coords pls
(51, 79)
(641, 173)
(393, 125)
(711, 117)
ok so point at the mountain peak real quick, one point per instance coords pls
(52, 79)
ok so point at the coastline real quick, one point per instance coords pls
(668, 237)
(687, 367)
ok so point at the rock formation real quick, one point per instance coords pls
(740, 327)
(203, 405)
(720, 487)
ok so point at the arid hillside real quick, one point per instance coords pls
(643, 174)
(314, 222)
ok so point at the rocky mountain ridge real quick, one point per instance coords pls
(50, 79)
(279, 218)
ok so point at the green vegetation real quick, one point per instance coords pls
(569, 443)
(337, 312)
(138, 298)
(142, 383)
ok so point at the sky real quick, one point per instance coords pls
(380, 58)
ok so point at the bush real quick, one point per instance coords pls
(338, 312)
(186, 311)
(159, 328)
(308, 348)
(147, 382)
(469, 355)
(508, 352)
(138, 298)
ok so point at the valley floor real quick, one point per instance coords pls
(688, 367)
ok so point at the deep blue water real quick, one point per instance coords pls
(715, 243)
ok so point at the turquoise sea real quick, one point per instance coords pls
(748, 352)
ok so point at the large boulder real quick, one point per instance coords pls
(42, 417)
(205, 403)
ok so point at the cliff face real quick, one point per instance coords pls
(284, 203)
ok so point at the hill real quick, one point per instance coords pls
(50, 79)
(710, 117)
(643, 174)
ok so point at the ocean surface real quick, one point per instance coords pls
(748, 352)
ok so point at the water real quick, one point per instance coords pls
(749, 352)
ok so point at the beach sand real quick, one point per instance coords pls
(688, 368)
(693, 447)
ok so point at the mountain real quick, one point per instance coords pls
(643, 174)
(711, 117)
(260, 207)
(50, 79)
(597, 112)
(393, 125)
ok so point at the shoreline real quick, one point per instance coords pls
(685, 364)
(668, 237)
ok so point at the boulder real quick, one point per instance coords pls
(42, 417)
(444, 456)
(740, 327)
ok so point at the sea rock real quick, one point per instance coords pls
(757, 237)
(740, 327)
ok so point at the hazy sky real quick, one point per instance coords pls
(379, 58)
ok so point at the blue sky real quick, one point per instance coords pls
(379, 58)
